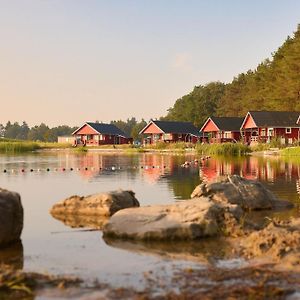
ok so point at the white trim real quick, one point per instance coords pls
(151, 122)
(86, 123)
(206, 123)
(248, 113)
(288, 130)
(298, 120)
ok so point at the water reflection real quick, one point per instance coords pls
(156, 179)
(280, 176)
(203, 251)
(79, 221)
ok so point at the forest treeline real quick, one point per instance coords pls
(44, 133)
(273, 85)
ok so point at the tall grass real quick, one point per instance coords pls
(178, 146)
(237, 149)
(54, 145)
(18, 147)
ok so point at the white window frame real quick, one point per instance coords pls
(288, 130)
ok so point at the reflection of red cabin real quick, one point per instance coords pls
(263, 126)
(170, 131)
(223, 129)
(95, 134)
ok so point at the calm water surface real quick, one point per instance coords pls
(49, 245)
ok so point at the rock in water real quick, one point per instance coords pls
(96, 205)
(186, 220)
(233, 189)
(11, 217)
(277, 242)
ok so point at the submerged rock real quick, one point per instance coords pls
(248, 194)
(186, 220)
(11, 217)
(105, 204)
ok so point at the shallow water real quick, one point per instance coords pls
(48, 245)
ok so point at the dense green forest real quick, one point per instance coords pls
(45, 134)
(273, 85)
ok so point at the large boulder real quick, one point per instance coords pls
(11, 217)
(185, 220)
(233, 189)
(105, 204)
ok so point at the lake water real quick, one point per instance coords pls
(48, 245)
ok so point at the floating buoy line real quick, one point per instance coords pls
(65, 169)
(186, 164)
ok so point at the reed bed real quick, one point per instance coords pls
(231, 149)
(18, 146)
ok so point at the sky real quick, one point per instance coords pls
(70, 61)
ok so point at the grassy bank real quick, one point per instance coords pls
(290, 151)
(237, 149)
(20, 146)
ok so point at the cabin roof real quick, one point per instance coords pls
(228, 123)
(175, 127)
(103, 128)
(275, 118)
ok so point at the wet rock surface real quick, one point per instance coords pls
(216, 209)
(11, 217)
(186, 220)
(278, 242)
(105, 204)
(248, 194)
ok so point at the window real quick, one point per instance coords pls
(288, 130)
(227, 134)
(263, 132)
(167, 136)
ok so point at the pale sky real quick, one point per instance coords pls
(69, 61)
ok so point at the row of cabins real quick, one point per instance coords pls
(257, 126)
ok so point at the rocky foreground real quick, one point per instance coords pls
(216, 212)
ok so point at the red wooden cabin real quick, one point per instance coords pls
(95, 134)
(170, 132)
(263, 126)
(222, 129)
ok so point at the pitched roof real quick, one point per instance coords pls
(103, 128)
(275, 118)
(175, 127)
(228, 123)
